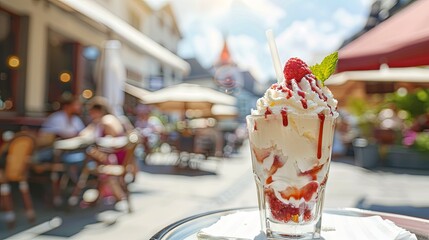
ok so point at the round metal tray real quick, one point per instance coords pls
(187, 229)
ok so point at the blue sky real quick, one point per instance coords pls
(309, 29)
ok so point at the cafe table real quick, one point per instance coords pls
(187, 228)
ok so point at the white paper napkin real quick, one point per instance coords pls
(246, 225)
(359, 228)
(239, 225)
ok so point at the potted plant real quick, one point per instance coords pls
(415, 156)
(365, 147)
(413, 151)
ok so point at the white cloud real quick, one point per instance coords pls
(305, 39)
(367, 2)
(266, 11)
(308, 35)
(347, 19)
(190, 12)
(204, 42)
(326, 27)
(248, 54)
(204, 23)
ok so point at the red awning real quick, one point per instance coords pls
(400, 41)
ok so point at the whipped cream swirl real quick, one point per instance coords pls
(304, 97)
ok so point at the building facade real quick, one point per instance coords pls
(52, 47)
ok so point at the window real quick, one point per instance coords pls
(10, 60)
(91, 56)
(62, 68)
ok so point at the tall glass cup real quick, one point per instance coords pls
(290, 156)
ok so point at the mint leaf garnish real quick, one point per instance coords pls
(326, 68)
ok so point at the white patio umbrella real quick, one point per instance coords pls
(385, 74)
(188, 97)
(221, 111)
(111, 76)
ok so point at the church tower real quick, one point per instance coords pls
(227, 75)
(225, 57)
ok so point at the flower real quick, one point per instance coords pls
(409, 138)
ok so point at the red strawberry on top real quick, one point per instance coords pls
(296, 69)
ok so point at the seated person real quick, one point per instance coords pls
(149, 127)
(62, 124)
(107, 131)
(105, 128)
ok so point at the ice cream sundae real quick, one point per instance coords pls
(291, 132)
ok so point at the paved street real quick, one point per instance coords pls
(164, 194)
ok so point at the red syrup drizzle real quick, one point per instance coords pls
(285, 90)
(312, 173)
(304, 103)
(283, 112)
(302, 95)
(319, 145)
(255, 127)
(268, 112)
(315, 87)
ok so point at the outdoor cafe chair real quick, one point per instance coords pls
(123, 174)
(18, 157)
(195, 148)
(68, 156)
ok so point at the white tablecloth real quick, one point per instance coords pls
(246, 225)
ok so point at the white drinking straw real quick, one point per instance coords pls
(275, 55)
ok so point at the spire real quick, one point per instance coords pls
(225, 56)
